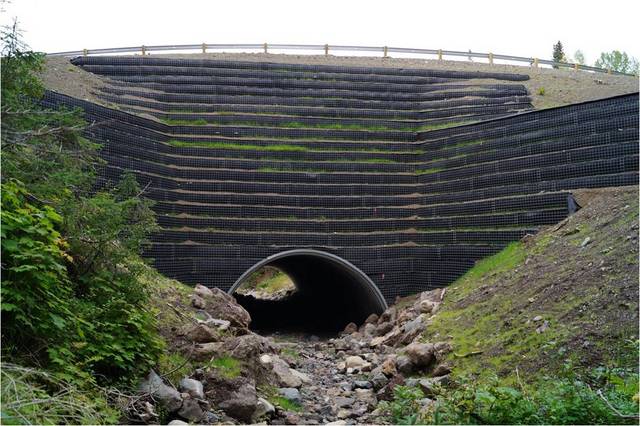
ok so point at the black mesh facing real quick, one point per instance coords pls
(409, 175)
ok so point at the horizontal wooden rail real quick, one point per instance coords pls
(385, 51)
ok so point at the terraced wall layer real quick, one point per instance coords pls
(409, 175)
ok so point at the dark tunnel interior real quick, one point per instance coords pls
(330, 293)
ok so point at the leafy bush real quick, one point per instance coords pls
(72, 298)
(550, 401)
(73, 302)
(405, 408)
(35, 286)
(541, 91)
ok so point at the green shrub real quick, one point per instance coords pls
(405, 408)
(35, 289)
(72, 300)
(565, 400)
(541, 91)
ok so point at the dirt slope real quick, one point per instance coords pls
(567, 293)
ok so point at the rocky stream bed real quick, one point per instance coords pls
(239, 376)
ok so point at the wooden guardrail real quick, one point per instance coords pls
(326, 48)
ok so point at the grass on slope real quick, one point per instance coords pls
(312, 126)
(567, 295)
(278, 147)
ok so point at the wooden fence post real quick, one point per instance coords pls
(575, 67)
(204, 47)
(535, 62)
(144, 50)
(490, 58)
(439, 54)
(85, 52)
(608, 70)
(265, 47)
(385, 51)
(326, 50)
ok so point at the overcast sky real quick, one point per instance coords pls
(508, 27)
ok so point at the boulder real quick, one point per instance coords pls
(379, 380)
(263, 409)
(284, 373)
(441, 370)
(357, 363)
(368, 397)
(386, 393)
(201, 333)
(427, 306)
(302, 376)
(383, 328)
(177, 422)
(388, 367)
(248, 346)
(291, 394)
(388, 316)
(202, 291)
(192, 387)
(429, 385)
(191, 410)
(223, 306)
(404, 364)
(371, 319)
(350, 328)
(198, 302)
(236, 396)
(166, 395)
(241, 403)
(206, 351)
(422, 355)
(362, 384)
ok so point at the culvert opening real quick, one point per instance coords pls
(315, 292)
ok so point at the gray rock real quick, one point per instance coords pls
(192, 387)
(177, 422)
(427, 306)
(304, 378)
(241, 404)
(369, 329)
(422, 355)
(211, 418)
(292, 394)
(429, 385)
(404, 364)
(191, 410)
(342, 402)
(371, 319)
(284, 373)
(263, 409)
(198, 302)
(379, 380)
(358, 363)
(441, 370)
(206, 351)
(202, 291)
(362, 384)
(350, 328)
(166, 395)
(202, 333)
(383, 328)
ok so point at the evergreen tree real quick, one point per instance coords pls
(558, 53)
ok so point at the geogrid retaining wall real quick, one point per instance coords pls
(413, 210)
